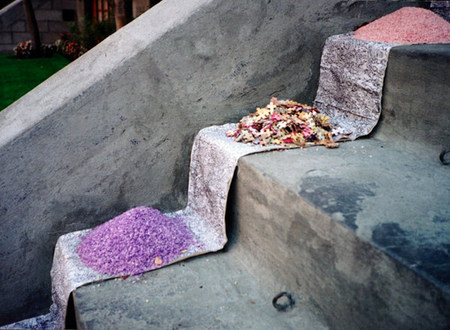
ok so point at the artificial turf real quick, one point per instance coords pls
(19, 76)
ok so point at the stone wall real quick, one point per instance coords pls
(53, 18)
(114, 129)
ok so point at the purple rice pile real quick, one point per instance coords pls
(136, 241)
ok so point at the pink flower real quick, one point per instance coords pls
(275, 117)
(306, 131)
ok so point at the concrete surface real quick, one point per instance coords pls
(114, 129)
(416, 98)
(361, 232)
(349, 228)
(209, 292)
(343, 229)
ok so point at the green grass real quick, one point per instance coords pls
(18, 77)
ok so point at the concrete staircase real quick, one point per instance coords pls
(358, 236)
(113, 130)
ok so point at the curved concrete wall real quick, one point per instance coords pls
(114, 129)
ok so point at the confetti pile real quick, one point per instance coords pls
(285, 123)
(407, 25)
(136, 241)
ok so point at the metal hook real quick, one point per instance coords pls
(442, 156)
(283, 307)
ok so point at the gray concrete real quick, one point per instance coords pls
(342, 229)
(360, 232)
(114, 129)
(363, 230)
(210, 292)
(416, 101)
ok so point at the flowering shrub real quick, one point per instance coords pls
(69, 46)
(72, 50)
(25, 50)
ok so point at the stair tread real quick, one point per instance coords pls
(210, 291)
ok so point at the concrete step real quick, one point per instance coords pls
(363, 231)
(210, 291)
(358, 235)
(113, 130)
(416, 98)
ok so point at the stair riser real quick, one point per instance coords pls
(289, 244)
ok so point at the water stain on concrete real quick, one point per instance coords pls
(338, 197)
(389, 234)
(431, 259)
(439, 219)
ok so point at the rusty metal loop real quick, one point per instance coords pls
(442, 156)
(285, 305)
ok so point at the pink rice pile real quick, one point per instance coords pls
(407, 25)
(136, 241)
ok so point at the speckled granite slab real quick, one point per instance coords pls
(351, 82)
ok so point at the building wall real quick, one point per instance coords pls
(139, 7)
(53, 16)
